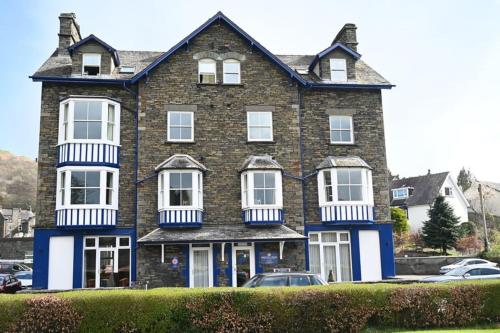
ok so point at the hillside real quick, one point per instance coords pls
(18, 177)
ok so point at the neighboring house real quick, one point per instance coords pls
(16, 223)
(491, 198)
(208, 163)
(417, 194)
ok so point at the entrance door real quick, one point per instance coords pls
(61, 262)
(369, 252)
(200, 272)
(106, 268)
(243, 264)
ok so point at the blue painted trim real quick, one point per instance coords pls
(258, 266)
(103, 164)
(255, 223)
(329, 49)
(81, 80)
(180, 225)
(86, 227)
(221, 18)
(41, 252)
(93, 38)
(229, 259)
(185, 252)
(350, 86)
(216, 249)
(355, 255)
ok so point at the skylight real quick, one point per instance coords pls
(127, 70)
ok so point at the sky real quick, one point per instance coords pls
(443, 56)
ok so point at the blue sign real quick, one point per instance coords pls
(269, 258)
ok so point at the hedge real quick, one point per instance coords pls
(336, 308)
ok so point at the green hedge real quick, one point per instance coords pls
(337, 308)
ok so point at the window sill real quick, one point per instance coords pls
(260, 142)
(220, 84)
(342, 144)
(178, 142)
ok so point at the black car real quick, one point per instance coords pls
(9, 284)
(284, 280)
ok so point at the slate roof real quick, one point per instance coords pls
(221, 233)
(58, 66)
(425, 189)
(259, 162)
(342, 161)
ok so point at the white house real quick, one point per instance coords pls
(491, 197)
(417, 194)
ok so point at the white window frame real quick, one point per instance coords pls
(164, 193)
(336, 244)
(450, 191)
(224, 71)
(192, 249)
(169, 115)
(396, 193)
(351, 130)
(68, 124)
(102, 187)
(367, 188)
(250, 203)
(339, 66)
(85, 55)
(206, 61)
(270, 126)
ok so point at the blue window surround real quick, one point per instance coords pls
(386, 246)
(41, 253)
(93, 38)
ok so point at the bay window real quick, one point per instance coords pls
(180, 189)
(261, 189)
(87, 187)
(345, 186)
(89, 120)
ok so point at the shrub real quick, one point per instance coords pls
(400, 221)
(47, 314)
(469, 245)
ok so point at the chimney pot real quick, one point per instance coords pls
(347, 36)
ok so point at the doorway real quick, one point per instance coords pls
(243, 263)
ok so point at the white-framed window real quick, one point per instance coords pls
(231, 71)
(89, 120)
(260, 126)
(338, 70)
(91, 64)
(261, 189)
(448, 191)
(180, 189)
(87, 187)
(341, 129)
(207, 71)
(345, 186)
(201, 268)
(330, 255)
(400, 193)
(180, 126)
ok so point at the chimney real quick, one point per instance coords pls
(69, 30)
(347, 36)
(428, 171)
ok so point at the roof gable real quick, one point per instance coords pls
(220, 17)
(93, 38)
(331, 48)
(425, 189)
(180, 161)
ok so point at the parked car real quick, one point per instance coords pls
(12, 267)
(25, 277)
(284, 280)
(9, 284)
(476, 272)
(467, 262)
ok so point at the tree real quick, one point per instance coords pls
(441, 231)
(464, 179)
(400, 223)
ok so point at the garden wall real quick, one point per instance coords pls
(423, 265)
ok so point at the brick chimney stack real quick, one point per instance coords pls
(347, 36)
(69, 30)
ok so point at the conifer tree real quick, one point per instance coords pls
(441, 231)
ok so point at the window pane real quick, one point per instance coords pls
(231, 78)
(207, 78)
(328, 237)
(90, 268)
(338, 64)
(93, 179)
(269, 197)
(231, 67)
(80, 111)
(78, 179)
(328, 193)
(206, 66)
(175, 133)
(111, 113)
(92, 59)
(77, 196)
(355, 176)
(265, 133)
(345, 136)
(175, 197)
(94, 130)
(345, 122)
(185, 133)
(80, 130)
(258, 180)
(330, 263)
(175, 119)
(345, 262)
(335, 122)
(327, 176)
(356, 193)
(109, 197)
(339, 76)
(314, 259)
(269, 180)
(90, 242)
(186, 180)
(253, 118)
(186, 197)
(335, 136)
(255, 133)
(175, 180)
(110, 131)
(186, 119)
(95, 109)
(259, 197)
(92, 196)
(124, 241)
(343, 193)
(342, 176)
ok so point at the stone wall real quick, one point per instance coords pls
(15, 248)
(423, 265)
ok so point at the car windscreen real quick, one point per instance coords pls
(299, 280)
(252, 282)
(458, 271)
(274, 281)
(25, 276)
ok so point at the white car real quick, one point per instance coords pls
(476, 272)
(25, 277)
(467, 262)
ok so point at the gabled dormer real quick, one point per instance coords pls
(337, 63)
(93, 57)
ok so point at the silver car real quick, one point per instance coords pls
(467, 262)
(476, 272)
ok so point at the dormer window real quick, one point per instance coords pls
(91, 64)
(231, 68)
(338, 70)
(207, 71)
(400, 193)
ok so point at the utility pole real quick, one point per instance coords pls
(486, 243)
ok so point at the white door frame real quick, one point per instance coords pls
(210, 264)
(251, 249)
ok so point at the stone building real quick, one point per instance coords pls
(211, 162)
